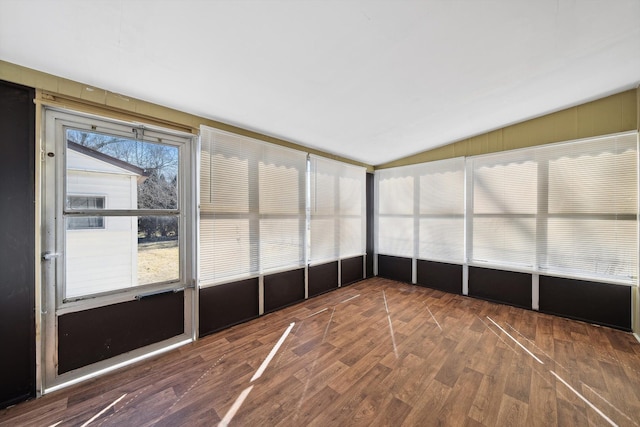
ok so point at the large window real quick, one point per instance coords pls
(503, 209)
(590, 219)
(252, 207)
(567, 209)
(257, 199)
(421, 211)
(337, 210)
(136, 173)
(395, 227)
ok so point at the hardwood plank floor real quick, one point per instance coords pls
(375, 353)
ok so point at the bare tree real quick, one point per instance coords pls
(158, 190)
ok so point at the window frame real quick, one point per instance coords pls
(58, 122)
(254, 215)
(318, 165)
(539, 253)
(542, 216)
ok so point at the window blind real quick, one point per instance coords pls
(503, 220)
(568, 209)
(395, 228)
(252, 206)
(421, 211)
(441, 211)
(592, 205)
(337, 210)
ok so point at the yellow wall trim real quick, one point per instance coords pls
(612, 114)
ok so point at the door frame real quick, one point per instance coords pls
(51, 240)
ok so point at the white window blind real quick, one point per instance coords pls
(568, 209)
(441, 212)
(252, 206)
(395, 200)
(337, 210)
(592, 205)
(421, 211)
(282, 207)
(504, 209)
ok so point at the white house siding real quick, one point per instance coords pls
(100, 260)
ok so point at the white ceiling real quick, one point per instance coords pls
(373, 81)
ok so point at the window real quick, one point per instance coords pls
(395, 228)
(568, 209)
(139, 172)
(337, 210)
(504, 207)
(254, 202)
(441, 211)
(421, 211)
(252, 207)
(590, 218)
(85, 203)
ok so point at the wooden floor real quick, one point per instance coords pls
(374, 353)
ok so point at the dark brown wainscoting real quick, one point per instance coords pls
(600, 303)
(323, 278)
(506, 287)
(90, 336)
(351, 270)
(17, 245)
(370, 222)
(283, 289)
(395, 268)
(225, 305)
(439, 275)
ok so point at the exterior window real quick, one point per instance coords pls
(252, 207)
(337, 210)
(139, 245)
(85, 203)
(421, 211)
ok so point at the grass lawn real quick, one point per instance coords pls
(158, 262)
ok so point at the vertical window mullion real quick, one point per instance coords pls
(542, 217)
(254, 217)
(416, 225)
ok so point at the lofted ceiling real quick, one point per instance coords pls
(369, 80)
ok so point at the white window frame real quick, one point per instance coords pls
(186, 211)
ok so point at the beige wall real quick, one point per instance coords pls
(616, 113)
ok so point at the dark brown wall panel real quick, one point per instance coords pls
(17, 245)
(98, 334)
(394, 268)
(229, 304)
(283, 289)
(600, 303)
(351, 270)
(323, 278)
(370, 236)
(439, 275)
(506, 287)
